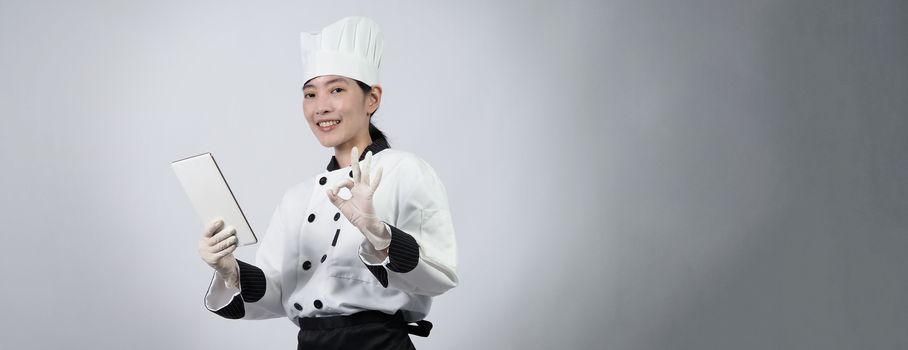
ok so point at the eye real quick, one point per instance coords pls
(337, 90)
(308, 95)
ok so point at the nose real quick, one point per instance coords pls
(322, 105)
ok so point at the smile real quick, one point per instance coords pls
(328, 125)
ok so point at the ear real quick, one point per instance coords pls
(373, 99)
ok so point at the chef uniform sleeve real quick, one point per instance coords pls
(422, 257)
(259, 292)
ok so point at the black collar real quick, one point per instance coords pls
(376, 146)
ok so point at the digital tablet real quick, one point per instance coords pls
(212, 198)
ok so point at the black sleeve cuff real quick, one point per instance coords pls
(380, 273)
(252, 289)
(252, 282)
(403, 252)
(234, 310)
(403, 255)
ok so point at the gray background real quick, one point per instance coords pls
(629, 174)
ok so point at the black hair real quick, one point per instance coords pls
(374, 132)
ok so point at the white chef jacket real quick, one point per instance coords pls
(313, 262)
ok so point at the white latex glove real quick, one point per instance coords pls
(216, 248)
(358, 208)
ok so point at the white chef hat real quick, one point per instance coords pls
(350, 47)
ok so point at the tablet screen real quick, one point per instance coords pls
(209, 193)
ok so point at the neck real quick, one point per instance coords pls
(342, 151)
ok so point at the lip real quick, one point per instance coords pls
(328, 129)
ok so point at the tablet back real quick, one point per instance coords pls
(211, 196)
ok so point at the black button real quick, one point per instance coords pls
(351, 173)
(297, 306)
(324, 257)
(336, 233)
(311, 217)
(337, 216)
(307, 265)
(322, 180)
(318, 304)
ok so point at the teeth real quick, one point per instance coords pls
(328, 123)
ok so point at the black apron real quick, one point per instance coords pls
(367, 330)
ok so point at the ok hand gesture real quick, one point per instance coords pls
(358, 208)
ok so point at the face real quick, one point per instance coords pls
(341, 101)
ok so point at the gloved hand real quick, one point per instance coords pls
(216, 248)
(358, 209)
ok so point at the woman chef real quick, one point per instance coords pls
(355, 253)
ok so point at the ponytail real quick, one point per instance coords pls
(376, 134)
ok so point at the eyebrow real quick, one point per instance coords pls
(329, 82)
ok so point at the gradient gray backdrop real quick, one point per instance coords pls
(626, 174)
